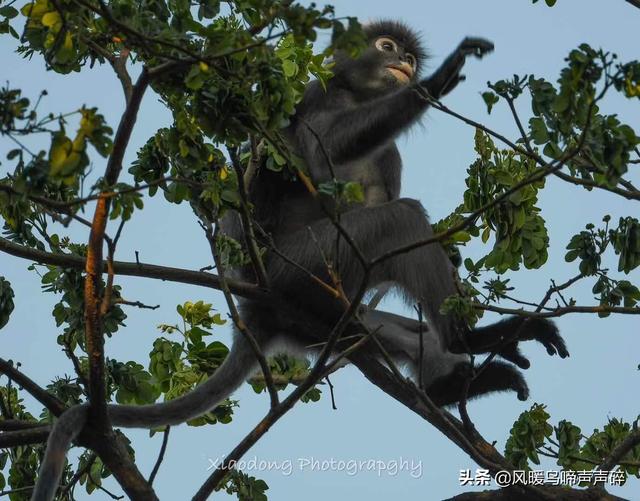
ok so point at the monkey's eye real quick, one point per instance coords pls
(386, 45)
(412, 61)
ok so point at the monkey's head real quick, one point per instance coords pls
(393, 59)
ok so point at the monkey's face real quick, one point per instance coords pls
(396, 65)
(383, 67)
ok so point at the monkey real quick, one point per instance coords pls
(348, 131)
(349, 128)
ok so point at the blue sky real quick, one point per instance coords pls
(599, 381)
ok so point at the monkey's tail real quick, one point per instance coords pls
(238, 365)
(66, 429)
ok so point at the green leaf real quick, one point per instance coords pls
(6, 301)
(8, 11)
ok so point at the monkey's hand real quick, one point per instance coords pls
(535, 329)
(448, 76)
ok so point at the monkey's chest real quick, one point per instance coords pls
(370, 177)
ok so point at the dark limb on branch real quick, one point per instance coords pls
(635, 3)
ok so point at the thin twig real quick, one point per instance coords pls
(163, 449)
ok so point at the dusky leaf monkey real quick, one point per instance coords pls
(355, 120)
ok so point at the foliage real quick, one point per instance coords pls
(231, 74)
(568, 130)
(6, 301)
(245, 487)
(532, 435)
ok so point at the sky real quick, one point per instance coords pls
(598, 382)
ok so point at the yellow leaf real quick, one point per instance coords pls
(60, 149)
(68, 41)
(87, 126)
(27, 9)
(66, 53)
(204, 66)
(35, 10)
(52, 19)
(79, 143)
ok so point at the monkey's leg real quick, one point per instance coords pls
(400, 337)
(445, 374)
(424, 274)
(489, 338)
(497, 376)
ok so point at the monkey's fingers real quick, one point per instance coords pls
(477, 47)
(514, 355)
(554, 343)
(521, 388)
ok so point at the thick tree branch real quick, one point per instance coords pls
(37, 435)
(167, 273)
(18, 424)
(93, 280)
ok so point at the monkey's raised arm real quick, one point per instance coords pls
(448, 75)
(349, 132)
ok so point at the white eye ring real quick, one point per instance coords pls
(385, 44)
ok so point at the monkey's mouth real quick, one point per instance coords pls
(402, 73)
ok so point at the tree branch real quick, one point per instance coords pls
(93, 280)
(40, 394)
(37, 435)
(558, 312)
(620, 450)
(163, 449)
(135, 270)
